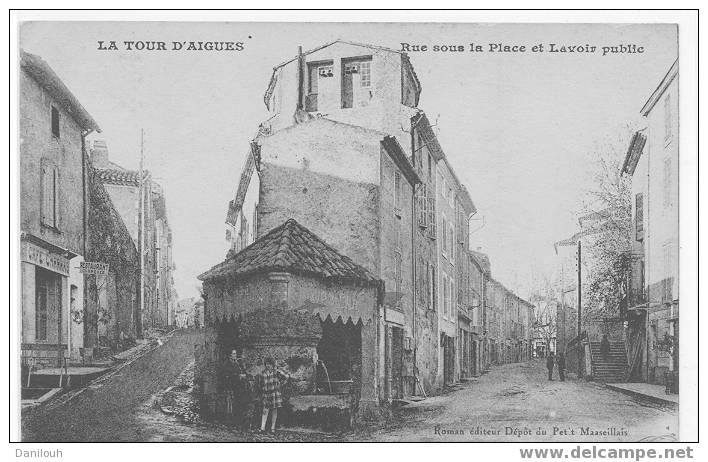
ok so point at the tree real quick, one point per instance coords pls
(545, 307)
(606, 225)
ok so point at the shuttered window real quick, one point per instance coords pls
(49, 194)
(425, 208)
(639, 215)
(55, 122)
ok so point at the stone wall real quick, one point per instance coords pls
(341, 212)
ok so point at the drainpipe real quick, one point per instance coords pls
(647, 264)
(414, 292)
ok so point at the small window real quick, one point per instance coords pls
(55, 122)
(446, 295)
(350, 68)
(365, 71)
(316, 71)
(451, 237)
(452, 299)
(444, 240)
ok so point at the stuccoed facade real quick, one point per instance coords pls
(53, 127)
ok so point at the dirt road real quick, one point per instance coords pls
(108, 413)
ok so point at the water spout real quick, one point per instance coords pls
(329, 382)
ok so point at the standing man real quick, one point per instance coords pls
(605, 347)
(561, 366)
(549, 365)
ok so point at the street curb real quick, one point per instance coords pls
(641, 396)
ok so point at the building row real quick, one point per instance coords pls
(360, 221)
(95, 272)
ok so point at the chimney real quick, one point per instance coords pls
(479, 249)
(99, 154)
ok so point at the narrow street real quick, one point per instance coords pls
(514, 401)
(109, 412)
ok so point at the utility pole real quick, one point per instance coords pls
(141, 229)
(580, 304)
(580, 287)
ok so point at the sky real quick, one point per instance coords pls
(519, 129)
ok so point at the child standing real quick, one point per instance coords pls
(271, 394)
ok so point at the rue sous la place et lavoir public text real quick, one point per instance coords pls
(519, 48)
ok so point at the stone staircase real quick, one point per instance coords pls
(612, 369)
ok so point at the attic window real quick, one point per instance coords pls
(315, 72)
(356, 74)
(55, 122)
(365, 71)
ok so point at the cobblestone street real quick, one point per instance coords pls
(512, 402)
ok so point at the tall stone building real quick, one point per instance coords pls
(653, 308)
(348, 154)
(53, 212)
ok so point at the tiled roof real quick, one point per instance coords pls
(292, 248)
(118, 177)
(47, 78)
